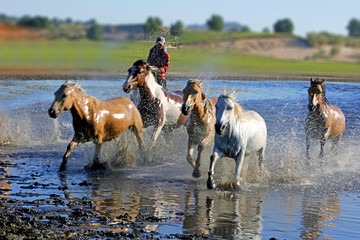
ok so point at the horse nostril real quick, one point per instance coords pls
(185, 109)
(52, 113)
(218, 128)
(311, 107)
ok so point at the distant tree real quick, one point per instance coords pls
(7, 19)
(354, 28)
(68, 21)
(215, 23)
(94, 32)
(245, 29)
(284, 26)
(37, 22)
(57, 22)
(152, 26)
(266, 30)
(90, 22)
(177, 29)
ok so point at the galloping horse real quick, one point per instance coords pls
(95, 120)
(201, 129)
(324, 121)
(158, 107)
(239, 134)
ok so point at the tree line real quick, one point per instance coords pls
(67, 28)
(92, 30)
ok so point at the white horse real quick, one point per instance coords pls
(238, 134)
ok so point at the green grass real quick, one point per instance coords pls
(195, 36)
(112, 57)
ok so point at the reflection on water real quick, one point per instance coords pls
(292, 201)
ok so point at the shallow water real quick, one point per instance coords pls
(292, 201)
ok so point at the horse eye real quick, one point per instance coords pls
(229, 108)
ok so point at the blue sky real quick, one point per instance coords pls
(307, 15)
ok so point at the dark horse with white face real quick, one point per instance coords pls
(324, 121)
(158, 107)
(95, 120)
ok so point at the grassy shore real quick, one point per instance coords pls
(88, 58)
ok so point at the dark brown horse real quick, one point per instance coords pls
(324, 121)
(158, 107)
(201, 128)
(95, 120)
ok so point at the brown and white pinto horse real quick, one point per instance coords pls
(324, 121)
(95, 120)
(201, 128)
(158, 107)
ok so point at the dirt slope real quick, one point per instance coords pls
(286, 48)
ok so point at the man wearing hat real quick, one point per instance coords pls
(159, 57)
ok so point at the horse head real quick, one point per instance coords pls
(316, 93)
(136, 76)
(63, 101)
(224, 113)
(192, 93)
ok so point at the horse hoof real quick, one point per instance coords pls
(196, 173)
(96, 166)
(62, 168)
(210, 184)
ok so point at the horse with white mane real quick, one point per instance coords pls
(238, 134)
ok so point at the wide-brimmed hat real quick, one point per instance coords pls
(160, 40)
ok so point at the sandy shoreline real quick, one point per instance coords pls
(171, 76)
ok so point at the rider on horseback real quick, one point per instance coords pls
(160, 58)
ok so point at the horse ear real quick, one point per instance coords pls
(323, 83)
(312, 80)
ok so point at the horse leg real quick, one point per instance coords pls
(69, 148)
(335, 142)
(160, 125)
(196, 172)
(190, 153)
(96, 161)
(210, 182)
(137, 130)
(261, 154)
(307, 147)
(239, 162)
(322, 144)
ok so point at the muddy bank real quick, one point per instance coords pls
(25, 220)
(88, 75)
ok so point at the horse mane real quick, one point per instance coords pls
(76, 86)
(238, 110)
(153, 69)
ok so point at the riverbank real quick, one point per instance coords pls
(171, 76)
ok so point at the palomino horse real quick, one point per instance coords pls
(324, 121)
(239, 134)
(201, 129)
(157, 106)
(95, 120)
